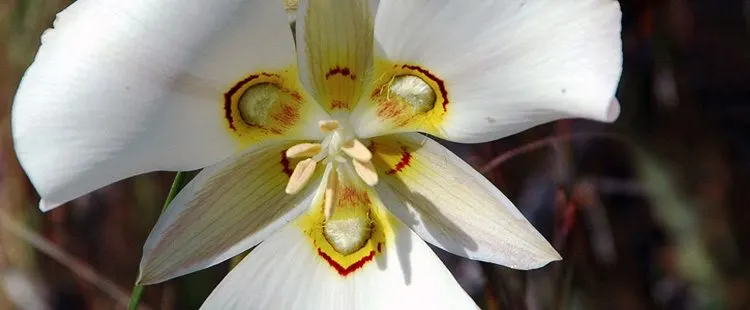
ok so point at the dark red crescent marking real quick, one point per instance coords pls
(229, 94)
(405, 161)
(440, 83)
(346, 271)
(285, 164)
(342, 71)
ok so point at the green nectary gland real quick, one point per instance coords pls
(413, 91)
(257, 102)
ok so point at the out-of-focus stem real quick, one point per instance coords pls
(177, 185)
(532, 146)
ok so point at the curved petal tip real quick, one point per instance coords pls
(613, 111)
(549, 256)
(46, 205)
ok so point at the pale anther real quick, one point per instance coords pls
(330, 196)
(302, 174)
(303, 150)
(366, 172)
(328, 125)
(357, 150)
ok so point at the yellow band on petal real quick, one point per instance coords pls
(392, 156)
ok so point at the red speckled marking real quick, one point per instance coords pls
(350, 196)
(380, 245)
(344, 271)
(390, 109)
(288, 116)
(439, 82)
(285, 164)
(405, 162)
(232, 91)
(340, 71)
(338, 104)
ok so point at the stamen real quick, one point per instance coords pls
(302, 174)
(328, 125)
(330, 194)
(357, 150)
(303, 150)
(366, 172)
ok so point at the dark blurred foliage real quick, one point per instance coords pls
(649, 213)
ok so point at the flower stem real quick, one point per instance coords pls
(135, 297)
(177, 185)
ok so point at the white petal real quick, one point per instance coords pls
(45, 205)
(225, 210)
(506, 65)
(120, 88)
(284, 272)
(452, 206)
(334, 40)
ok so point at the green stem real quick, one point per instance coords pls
(177, 185)
(135, 297)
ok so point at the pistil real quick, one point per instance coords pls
(332, 149)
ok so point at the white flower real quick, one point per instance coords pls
(120, 88)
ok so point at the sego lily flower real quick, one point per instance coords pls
(311, 153)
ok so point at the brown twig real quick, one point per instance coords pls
(67, 260)
(533, 146)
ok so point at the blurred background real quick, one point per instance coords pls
(651, 212)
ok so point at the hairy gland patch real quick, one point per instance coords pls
(409, 96)
(264, 105)
(355, 232)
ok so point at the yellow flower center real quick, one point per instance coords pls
(347, 224)
(339, 146)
